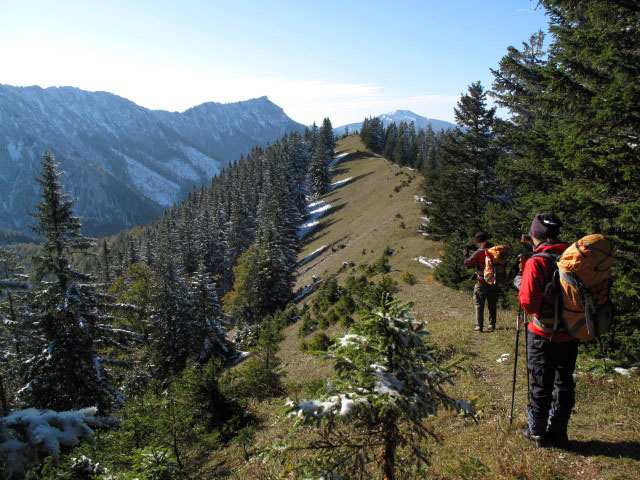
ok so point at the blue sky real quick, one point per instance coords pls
(342, 59)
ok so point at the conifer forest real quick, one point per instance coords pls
(158, 353)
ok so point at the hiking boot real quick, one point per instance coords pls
(478, 328)
(491, 328)
(557, 439)
(537, 440)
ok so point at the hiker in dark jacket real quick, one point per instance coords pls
(482, 291)
(551, 356)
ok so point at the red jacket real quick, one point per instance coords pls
(537, 272)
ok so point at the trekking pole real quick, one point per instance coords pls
(526, 349)
(515, 365)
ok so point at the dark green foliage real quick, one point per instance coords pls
(15, 335)
(319, 175)
(372, 134)
(332, 317)
(165, 422)
(327, 295)
(409, 278)
(320, 342)
(466, 183)
(401, 144)
(387, 285)
(451, 271)
(258, 377)
(345, 305)
(307, 326)
(346, 321)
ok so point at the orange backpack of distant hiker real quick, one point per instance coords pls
(495, 265)
(583, 279)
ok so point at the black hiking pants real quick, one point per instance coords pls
(550, 364)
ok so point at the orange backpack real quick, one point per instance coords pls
(495, 264)
(583, 280)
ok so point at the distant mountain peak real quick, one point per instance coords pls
(397, 116)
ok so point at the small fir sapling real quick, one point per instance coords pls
(387, 384)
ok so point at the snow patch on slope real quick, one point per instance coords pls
(312, 255)
(316, 209)
(151, 184)
(210, 166)
(429, 262)
(183, 169)
(15, 150)
(335, 185)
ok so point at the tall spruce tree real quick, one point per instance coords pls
(65, 370)
(327, 136)
(319, 175)
(466, 182)
(523, 137)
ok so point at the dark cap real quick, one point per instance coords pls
(480, 237)
(545, 225)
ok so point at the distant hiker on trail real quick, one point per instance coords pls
(551, 356)
(482, 291)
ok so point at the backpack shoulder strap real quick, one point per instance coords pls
(552, 282)
(549, 256)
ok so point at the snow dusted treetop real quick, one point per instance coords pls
(57, 224)
(387, 384)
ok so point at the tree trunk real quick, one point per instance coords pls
(3, 399)
(389, 456)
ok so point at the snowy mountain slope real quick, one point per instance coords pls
(124, 162)
(398, 116)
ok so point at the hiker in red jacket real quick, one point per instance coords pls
(482, 291)
(551, 355)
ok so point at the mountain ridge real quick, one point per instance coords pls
(124, 162)
(397, 116)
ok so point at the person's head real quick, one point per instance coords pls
(480, 238)
(544, 228)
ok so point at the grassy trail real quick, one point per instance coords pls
(378, 208)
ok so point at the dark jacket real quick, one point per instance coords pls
(477, 259)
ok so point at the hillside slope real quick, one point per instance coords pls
(368, 213)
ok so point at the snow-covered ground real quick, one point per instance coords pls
(312, 255)
(308, 289)
(429, 262)
(335, 185)
(150, 183)
(337, 159)
(316, 209)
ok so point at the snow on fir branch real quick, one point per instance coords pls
(28, 435)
